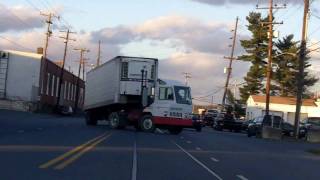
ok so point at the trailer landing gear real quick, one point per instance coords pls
(90, 119)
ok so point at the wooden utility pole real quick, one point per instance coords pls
(187, 76)
(99, 54)
(82, 51)
(84, 62)
(43, 63)
(270, 48)
(300, 74)
(269, 66)
(66, 40)
(231, 58)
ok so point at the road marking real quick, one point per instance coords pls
(80, 153)
(242, 177)
(199, 162)
(69, 153)
(134, 162)
(189, 142)
(214, 159)
(198, 149)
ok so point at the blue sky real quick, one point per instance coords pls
(175, 31)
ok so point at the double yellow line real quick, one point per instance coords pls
(63, 160)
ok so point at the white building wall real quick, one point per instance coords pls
(257, 109)
(23, 77)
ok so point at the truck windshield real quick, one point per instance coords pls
(182, 94)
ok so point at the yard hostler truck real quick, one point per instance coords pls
(127, 91)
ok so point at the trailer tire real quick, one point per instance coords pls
(175, 130)
(90, 119)
(146, 124)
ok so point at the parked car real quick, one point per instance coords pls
(197, 122)
(209, 116)
(255, 127)
(222, 122)
(288, 130)
(312, 123)
(245, 124)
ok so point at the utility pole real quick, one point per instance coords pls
(99, 54)
(82, 51)
(45, 50)
(231, 58)
(187, 76)
(66, 40)
(84, 62)
(49, 32)
(300, 74)
(270, 47)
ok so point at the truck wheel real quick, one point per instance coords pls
(175, 130)
(90, 119)
(146, 124)
(115, 121)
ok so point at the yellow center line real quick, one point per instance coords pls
(79, 154)
(69, 153)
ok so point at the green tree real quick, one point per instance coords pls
(256, 52)
(288, 65)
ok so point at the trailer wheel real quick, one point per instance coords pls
(90, 119)
(146, 124)
(175, 130)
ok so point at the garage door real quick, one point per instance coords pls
(274, 113)
(291, 115)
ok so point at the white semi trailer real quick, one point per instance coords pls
(127, 91)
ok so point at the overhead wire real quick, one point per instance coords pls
(15, 43)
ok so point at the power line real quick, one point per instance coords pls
(17, 17)
(32, 5)
(12, 42)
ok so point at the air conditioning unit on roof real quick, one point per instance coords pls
(4, 55)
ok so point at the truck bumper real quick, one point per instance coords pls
(172, 121)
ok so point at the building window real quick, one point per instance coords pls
(57, 86)
(75, 92)
(65, 90)
(72, 92)
(52, 85)
(69, 93)
(48, 84)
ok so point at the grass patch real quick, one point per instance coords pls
(314, 151)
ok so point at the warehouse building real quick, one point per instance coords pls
(24, 87)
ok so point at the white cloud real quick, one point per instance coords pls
(192, 45)
(18, 18)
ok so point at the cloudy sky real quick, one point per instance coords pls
(186, 35)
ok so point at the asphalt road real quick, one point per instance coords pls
(35, 146)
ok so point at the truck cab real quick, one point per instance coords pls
(172, 105)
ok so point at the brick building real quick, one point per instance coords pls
(24, 87)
